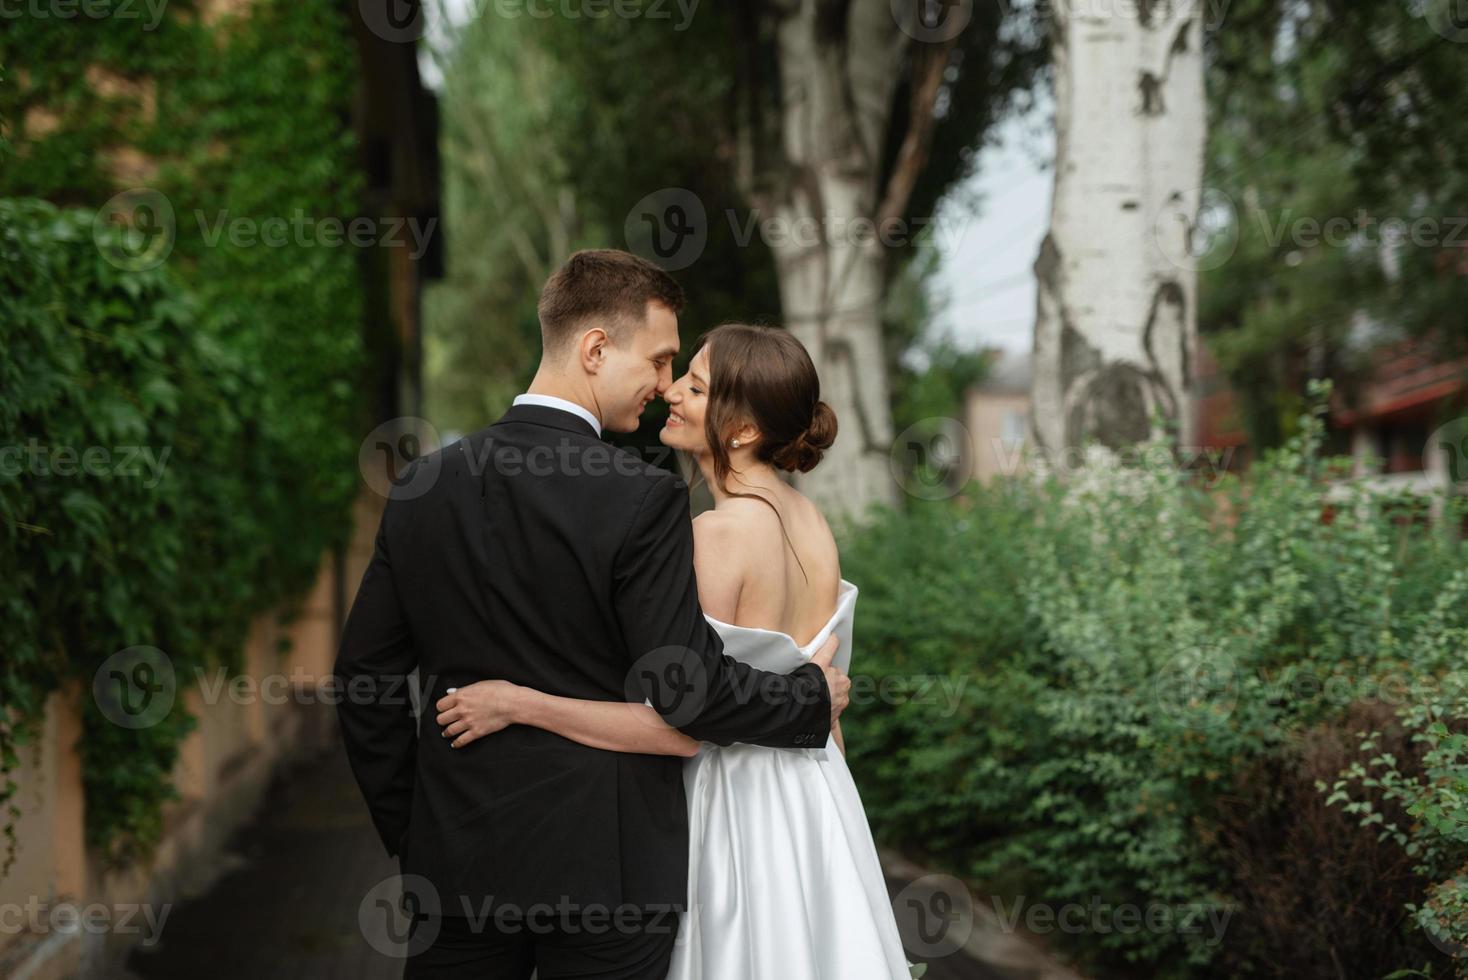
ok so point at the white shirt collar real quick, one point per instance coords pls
(551, 401)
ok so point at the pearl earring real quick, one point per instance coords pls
(734, 443)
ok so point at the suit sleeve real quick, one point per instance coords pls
(678, 659)
(375, 711)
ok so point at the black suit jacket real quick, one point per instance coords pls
(535, 552)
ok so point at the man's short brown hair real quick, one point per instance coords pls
(603, 285)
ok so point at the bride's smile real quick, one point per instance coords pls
(687, 399)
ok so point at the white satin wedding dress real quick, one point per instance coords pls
(783, 877)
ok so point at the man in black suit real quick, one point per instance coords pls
(535, 552)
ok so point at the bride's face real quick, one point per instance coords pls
(687, 400)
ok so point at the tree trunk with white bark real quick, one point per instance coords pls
(840, 324)
(1116, 316)
(818, 194)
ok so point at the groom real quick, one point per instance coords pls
(535, 552)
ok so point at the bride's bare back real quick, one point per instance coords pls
(752, 574)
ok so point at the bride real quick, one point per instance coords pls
(784, 879)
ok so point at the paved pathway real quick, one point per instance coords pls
(988, 951)
(288, 909)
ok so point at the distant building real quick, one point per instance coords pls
(997, 415)
(1408, 424)
(1392, 425)
(1217, 422)
(1398, 425)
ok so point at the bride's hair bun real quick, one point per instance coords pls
(764, 377)
(803, 453)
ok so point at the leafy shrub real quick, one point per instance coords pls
(176, 546)
(1322, 893)
(1130, 647)
(241, 362)
(1416, 797)
(96, 360)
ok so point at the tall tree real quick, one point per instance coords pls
(839, 103)
(721, 107)
(1116, 313)
(1339, 138)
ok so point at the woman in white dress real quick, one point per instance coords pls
(784, 880)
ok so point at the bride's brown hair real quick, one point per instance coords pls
(765, 377)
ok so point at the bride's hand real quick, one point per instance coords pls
(477, 709)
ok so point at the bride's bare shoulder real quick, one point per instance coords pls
(718, 526)
(739, 528)
(718, 562)
(762, 533)
(813, 523)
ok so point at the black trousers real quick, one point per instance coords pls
(632, 945)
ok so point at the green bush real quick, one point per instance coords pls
(101, 361)
(237, 365)
(1427, 804)
(1130, 646)
(170, 537)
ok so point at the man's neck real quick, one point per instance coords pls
(556, 387)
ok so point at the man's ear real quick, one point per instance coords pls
(592, 349)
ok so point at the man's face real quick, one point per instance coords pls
(637, 370)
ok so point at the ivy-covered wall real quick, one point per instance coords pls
(234, 364)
